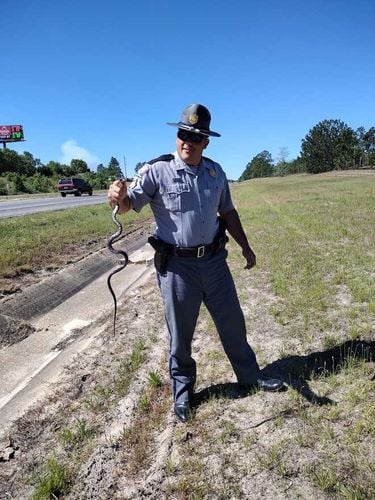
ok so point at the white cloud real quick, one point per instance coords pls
(71, 150)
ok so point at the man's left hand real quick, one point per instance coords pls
(250, 258)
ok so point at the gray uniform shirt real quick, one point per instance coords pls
(185, 200)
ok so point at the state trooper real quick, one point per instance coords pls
(191, 202)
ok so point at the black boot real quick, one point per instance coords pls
(183, 411)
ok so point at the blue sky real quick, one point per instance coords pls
(92, 79)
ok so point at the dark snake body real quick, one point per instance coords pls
(111, 240)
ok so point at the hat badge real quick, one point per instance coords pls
(193, 118)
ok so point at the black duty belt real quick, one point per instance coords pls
(196, 252)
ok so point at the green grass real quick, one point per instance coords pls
(314, 240)
(324, 448)
(54, 481)
(154, 379)
(52, 232)
(77, 435)
(105, 396)
(315, 237)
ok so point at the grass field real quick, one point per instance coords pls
(309, 307)
(315, 239)
(33, 241)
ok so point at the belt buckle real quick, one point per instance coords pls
(200, 252)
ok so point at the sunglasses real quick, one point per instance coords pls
(185, 135)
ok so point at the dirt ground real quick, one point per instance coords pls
(107, 431)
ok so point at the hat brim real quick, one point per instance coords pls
(193, 129)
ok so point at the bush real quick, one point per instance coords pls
(40, 184)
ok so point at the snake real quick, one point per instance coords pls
(124, 262)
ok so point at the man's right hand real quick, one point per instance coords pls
(117, 195)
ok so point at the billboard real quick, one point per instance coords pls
(11, 133)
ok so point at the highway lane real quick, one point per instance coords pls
(27, 206)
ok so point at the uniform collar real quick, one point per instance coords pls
(180, 164)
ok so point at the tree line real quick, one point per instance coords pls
(329, 145)
(22, 173)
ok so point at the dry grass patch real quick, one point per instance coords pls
(137, 441)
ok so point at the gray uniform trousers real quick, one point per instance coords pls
(187, 283)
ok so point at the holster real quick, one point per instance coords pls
(221, 238)
(162, 251)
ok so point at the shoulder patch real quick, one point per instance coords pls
(167, 157)
(143, 170)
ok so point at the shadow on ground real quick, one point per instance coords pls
(296, 371)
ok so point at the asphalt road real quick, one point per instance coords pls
(27, 206)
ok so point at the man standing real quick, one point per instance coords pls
(187, 193)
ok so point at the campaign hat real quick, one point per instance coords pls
(195, 118)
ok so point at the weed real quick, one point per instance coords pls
(127, 368)
(279, 422)
(352, 492)
(271, 459)
(144, 402)
(354, 331)
(170, 467)
(55, 481)
(154, 379)
(137, 356)
(71, 438)
(346, 485)
(190, 488)
(297, 403)
(329, 341)
(138, 439)
(67, 437)
(100, 399)
(325, 478)
(363, 426)
(326, 433)
(305, 439)
(352, 313)
(229, 432)
(333, 414)
(250, 439)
